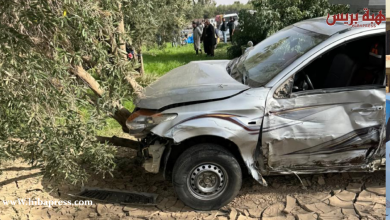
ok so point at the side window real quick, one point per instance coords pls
(356, 63)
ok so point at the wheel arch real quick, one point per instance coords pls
(177, 150)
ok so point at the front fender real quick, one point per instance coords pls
(229, 127)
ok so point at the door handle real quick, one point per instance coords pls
(367, 109)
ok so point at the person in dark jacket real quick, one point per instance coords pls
(208, 38)
(232, 27)
(224, 29)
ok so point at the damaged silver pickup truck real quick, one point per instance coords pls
(308, 99)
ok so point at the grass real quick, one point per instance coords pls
(160, 61)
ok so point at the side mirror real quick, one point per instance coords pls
(284, 90)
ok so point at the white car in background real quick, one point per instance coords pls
(227, 18)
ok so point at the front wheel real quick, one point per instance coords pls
(206, 177)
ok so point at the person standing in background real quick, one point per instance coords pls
(216, 36)
(174, 38)
(159, 39)
(224, 28)
(202, 25)
(232, 27)
(208, 38)
(197, 34)
(203, 38)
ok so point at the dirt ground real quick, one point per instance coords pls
(329, 196)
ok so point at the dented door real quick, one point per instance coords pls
(322, 129)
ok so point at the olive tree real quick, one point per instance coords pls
(154, 17)
(63, 71)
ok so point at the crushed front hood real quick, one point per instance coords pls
(196, 81)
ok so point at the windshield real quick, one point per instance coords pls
(268, 58)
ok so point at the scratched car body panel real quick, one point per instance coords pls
(225, 118)
(315, 140)
(301, 101)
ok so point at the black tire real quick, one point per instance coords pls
(216, 159)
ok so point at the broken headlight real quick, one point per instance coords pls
(144, 120)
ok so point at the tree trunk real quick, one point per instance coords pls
(119, 142)
(121, 116)
(121, 31)
(137, 89)
(141, 60)
(86, 77)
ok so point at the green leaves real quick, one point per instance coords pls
(147, 18)
(41, 102)
(48, 115)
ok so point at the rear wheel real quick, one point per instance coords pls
(206, 176)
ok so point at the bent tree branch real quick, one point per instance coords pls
(86, 77)
(119, 142)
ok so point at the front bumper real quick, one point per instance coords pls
(152, 157)
(150, 152)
